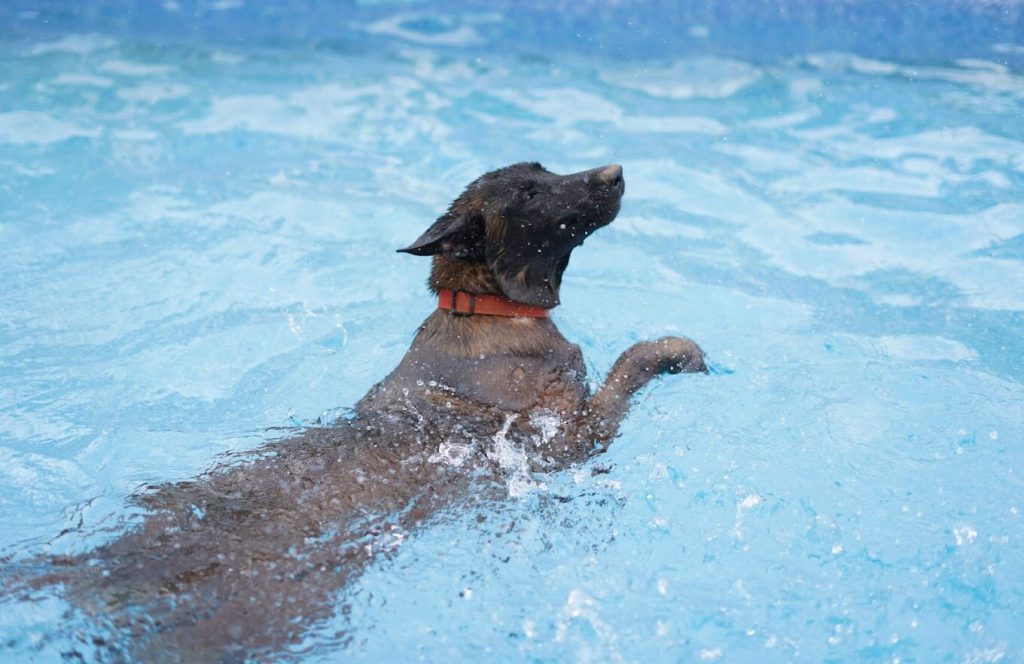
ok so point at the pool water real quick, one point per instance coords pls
(197, 242)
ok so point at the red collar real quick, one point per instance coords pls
(468, 304)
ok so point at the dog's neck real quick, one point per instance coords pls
(471, 336)
(466, 276)
(531, 283)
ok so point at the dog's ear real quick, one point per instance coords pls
(456, 235)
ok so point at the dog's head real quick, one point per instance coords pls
(523, 221)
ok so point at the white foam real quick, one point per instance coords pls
(803, 87)
(35, 477)
(652, 226)
(290, 213)
(323, 112)
(697, 191)
(75, 44)
(965, 146)
(860, 178)
(452, 454)
(1014, 49)
(710, 78)
(749, 502)
(548, 423)
(996, 653)
(785, 120)
(387, 541)
(972, 72)
(151, 93)
(224, 58)
(988, 65)
(753, 500)
(29, 171)
(564, 106)
(582, 608)
(926, 243)
(85, 80)
(673, 124)
(964, 535)
(511, 458)
(924, 347)
(768, 160)
(428, 65)
(136, 135)
(129, 68)
(454, 33)
(28, 127)
(251, 112)
(870, 66)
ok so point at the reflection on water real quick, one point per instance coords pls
(197, 243)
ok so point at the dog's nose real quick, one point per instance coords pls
(611, 174)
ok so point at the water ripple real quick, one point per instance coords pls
(198, 243)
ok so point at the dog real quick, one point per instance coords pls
(245, 560)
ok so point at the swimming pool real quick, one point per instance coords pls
(200, 206)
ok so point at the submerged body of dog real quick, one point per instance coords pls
(246, 559)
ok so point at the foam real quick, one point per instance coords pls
(973, 72)
(82, 80)
(322, 112)
(512, 460)
(129, 68)
(927, 244)
(452, 454)
(84, 44)
(915, 347)
(563, 106)
(672, 124)
(651, 226)
(401, 26)
(707, 78)
(696, 191)
(152, 93)
(33, 127)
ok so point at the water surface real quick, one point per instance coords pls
(197, 245)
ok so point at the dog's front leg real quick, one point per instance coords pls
(634, 369)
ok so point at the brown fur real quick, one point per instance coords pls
(244, 561)
(460, 275)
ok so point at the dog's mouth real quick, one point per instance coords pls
(607, 186)
(586, 219)
(603, 206)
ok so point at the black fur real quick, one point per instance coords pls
(523, 221)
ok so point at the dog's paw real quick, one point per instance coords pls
(678, 355)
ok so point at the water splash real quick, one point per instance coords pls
(511, 458)
(453, 454)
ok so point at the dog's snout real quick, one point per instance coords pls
(610, 174)
(603, 178)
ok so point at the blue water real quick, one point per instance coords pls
(197, 235)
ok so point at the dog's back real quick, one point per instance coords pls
(249, 557)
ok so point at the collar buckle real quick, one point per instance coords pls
(471, 308)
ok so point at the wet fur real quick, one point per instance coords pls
(244, 561)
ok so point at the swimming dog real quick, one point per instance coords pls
(243, 561)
